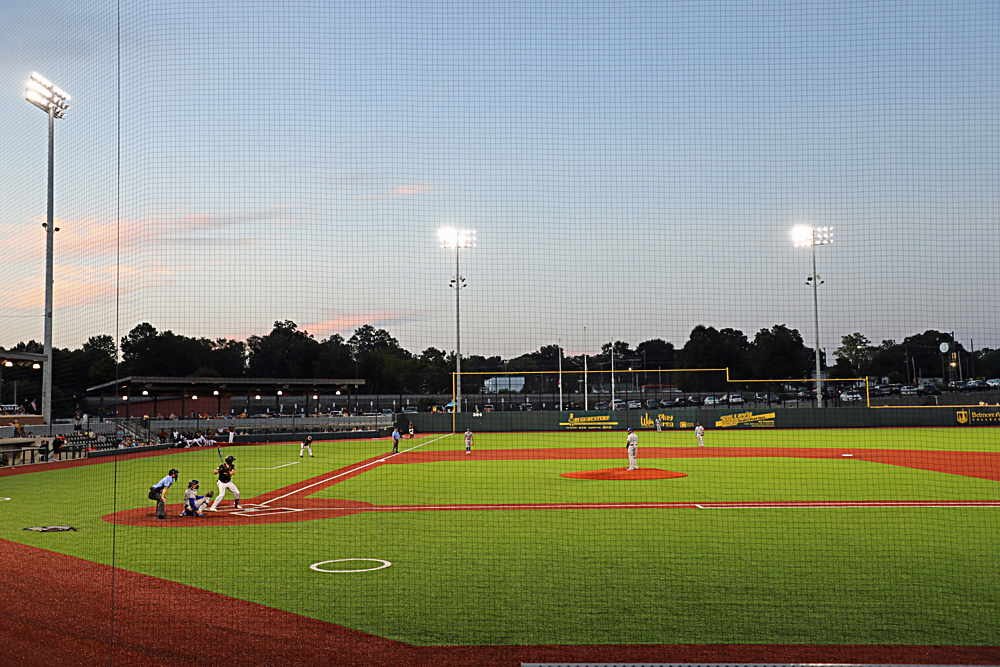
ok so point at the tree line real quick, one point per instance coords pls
(375, 356)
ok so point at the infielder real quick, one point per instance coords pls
(306, 444)
(159, 491)
(699, 431)
(468, 441)
(194, 505)
(225, 471)
(632, 445)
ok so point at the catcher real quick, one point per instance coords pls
(194, 505)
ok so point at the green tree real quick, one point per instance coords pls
(286, 352)
(709, 348)
(857, 353)
(778, 353)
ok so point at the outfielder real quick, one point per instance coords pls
(306, 444)
(659, 424)
(632, 444)
(468, 441)
(699, 431)
(225, 471)
(194, 505)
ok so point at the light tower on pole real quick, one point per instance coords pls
(810, 237)
(457, 239)
(50, 99)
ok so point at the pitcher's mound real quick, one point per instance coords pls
(622, 473)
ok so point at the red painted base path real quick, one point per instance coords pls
(59, 610)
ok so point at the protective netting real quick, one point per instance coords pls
(252, 195)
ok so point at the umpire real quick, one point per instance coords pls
(159, 492)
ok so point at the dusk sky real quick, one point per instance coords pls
(630, 167)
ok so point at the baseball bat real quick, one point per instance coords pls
(219, 447)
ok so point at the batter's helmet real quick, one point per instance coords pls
(173, 472)
(230, 458)
(193, 483)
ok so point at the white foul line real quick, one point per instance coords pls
(283, 465)
(348, 472)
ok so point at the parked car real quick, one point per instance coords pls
(851, 397)
(601, 405)
(806, 395)
(527, 407)
(710, 400)
(667, 403)
(928, 390)
(956, 386)
(409, 409)
(651, 404)
(635, 405)
(976, 385)
(765, 397)
(386, 411)
(487, 408)
(908, 390)
(695, 401)
(618, 404)
(993, 384)
(734, 399)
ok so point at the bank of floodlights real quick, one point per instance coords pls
(46, 96)
(805, 237)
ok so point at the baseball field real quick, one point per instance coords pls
(770, 545)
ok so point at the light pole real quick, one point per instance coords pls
(457, 239)
(811, 237)
(561, 408)
(53, 101)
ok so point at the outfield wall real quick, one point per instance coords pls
(711, 419)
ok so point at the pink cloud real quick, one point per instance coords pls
(401, 191)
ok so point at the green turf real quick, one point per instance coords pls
(618, 576)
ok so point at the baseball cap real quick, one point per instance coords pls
(630, 429)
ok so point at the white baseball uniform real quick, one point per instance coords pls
(633, 449)
(699, 431)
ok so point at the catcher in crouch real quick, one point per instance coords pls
(225, 471)
(194, 505)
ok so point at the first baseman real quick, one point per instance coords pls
(699, 431)
(225, 471)
(632, 444)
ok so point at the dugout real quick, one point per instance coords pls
(135, 396)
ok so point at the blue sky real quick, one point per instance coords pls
(631, 168)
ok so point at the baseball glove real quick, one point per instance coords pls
(210, 494)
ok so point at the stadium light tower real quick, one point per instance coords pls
(457, 239)
(53, 101)
(810, 237)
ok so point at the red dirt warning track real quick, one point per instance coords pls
(58, 612)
